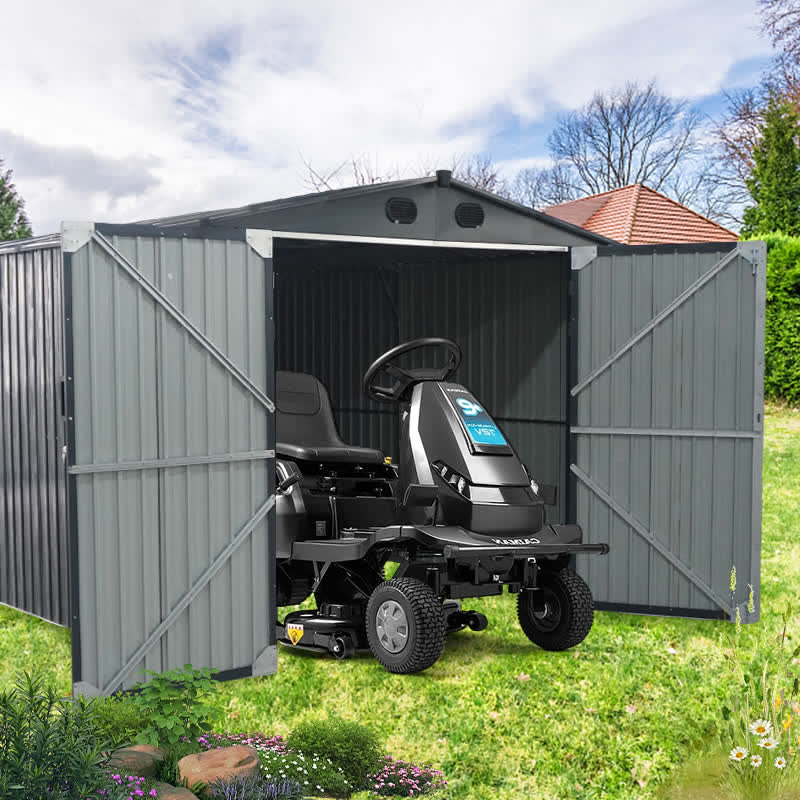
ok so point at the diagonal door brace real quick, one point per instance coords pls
(660, 317)
(167, 305)
(682, 567)
(184, 602)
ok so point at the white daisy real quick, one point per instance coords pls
(755, 761)
(761, 727)
(738, 753)
(780, 762)
(769, 742)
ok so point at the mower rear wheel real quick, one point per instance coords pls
(563, 613)
(406, 626)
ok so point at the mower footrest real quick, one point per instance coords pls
(526, 551)
(350, 549)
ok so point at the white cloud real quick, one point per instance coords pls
(140, 110)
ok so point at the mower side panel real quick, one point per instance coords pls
(435, 433)
(550, 540)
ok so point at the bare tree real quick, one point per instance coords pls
(540, 187)
(780, 20)
(356, 170)
(739, 130)
(629, 135)
(477, 169)
(480, 171)
(711, 191)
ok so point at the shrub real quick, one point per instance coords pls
(119, 720)
(174, 703)
(782, 335)
(49, 747)
(782, 362)
(402, 779)
(258, 788)
(353, 747)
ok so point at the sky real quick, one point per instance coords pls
(120, 112)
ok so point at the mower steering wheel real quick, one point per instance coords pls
(406, 378)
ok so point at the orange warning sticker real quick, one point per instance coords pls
(294, 630)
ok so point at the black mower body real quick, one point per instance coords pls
(460, 515)
(450, 441)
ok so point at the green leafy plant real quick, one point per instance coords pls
(762, 718)
(175, 704)
(349, 745)
(49, 746)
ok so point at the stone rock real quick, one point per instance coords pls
(138, 759)
(167, 792)
(240, 760)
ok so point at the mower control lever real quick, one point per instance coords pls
(289, 481)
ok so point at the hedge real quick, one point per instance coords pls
(782, 366)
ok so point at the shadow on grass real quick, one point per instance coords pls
(463, 646)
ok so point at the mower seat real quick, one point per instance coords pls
(305, 426)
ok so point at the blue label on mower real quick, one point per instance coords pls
(478, 424)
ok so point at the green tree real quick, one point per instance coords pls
(774, 182)
(13, 222)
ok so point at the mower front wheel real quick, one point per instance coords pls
(406, 626)
(562, 615)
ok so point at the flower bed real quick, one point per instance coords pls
(89, 750)
(321, 776)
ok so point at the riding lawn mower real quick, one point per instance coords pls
(460, 516)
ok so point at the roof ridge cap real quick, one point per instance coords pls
(592, 196)
(632, 208)
(702, 217)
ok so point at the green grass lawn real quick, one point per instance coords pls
(613, 719)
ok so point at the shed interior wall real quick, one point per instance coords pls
(338, 307)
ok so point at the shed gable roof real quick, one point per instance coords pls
(360, 210)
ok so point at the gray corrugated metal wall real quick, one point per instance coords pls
(144, 390)
(672, 428)
(33, 544)
(507, 313)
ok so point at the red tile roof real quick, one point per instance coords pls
(638, 215)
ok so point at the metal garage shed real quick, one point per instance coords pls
(630, 377)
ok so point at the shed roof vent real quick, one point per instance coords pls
(469, 215)
(401, 210)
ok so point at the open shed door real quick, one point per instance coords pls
(171, 443)
(667, 412)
